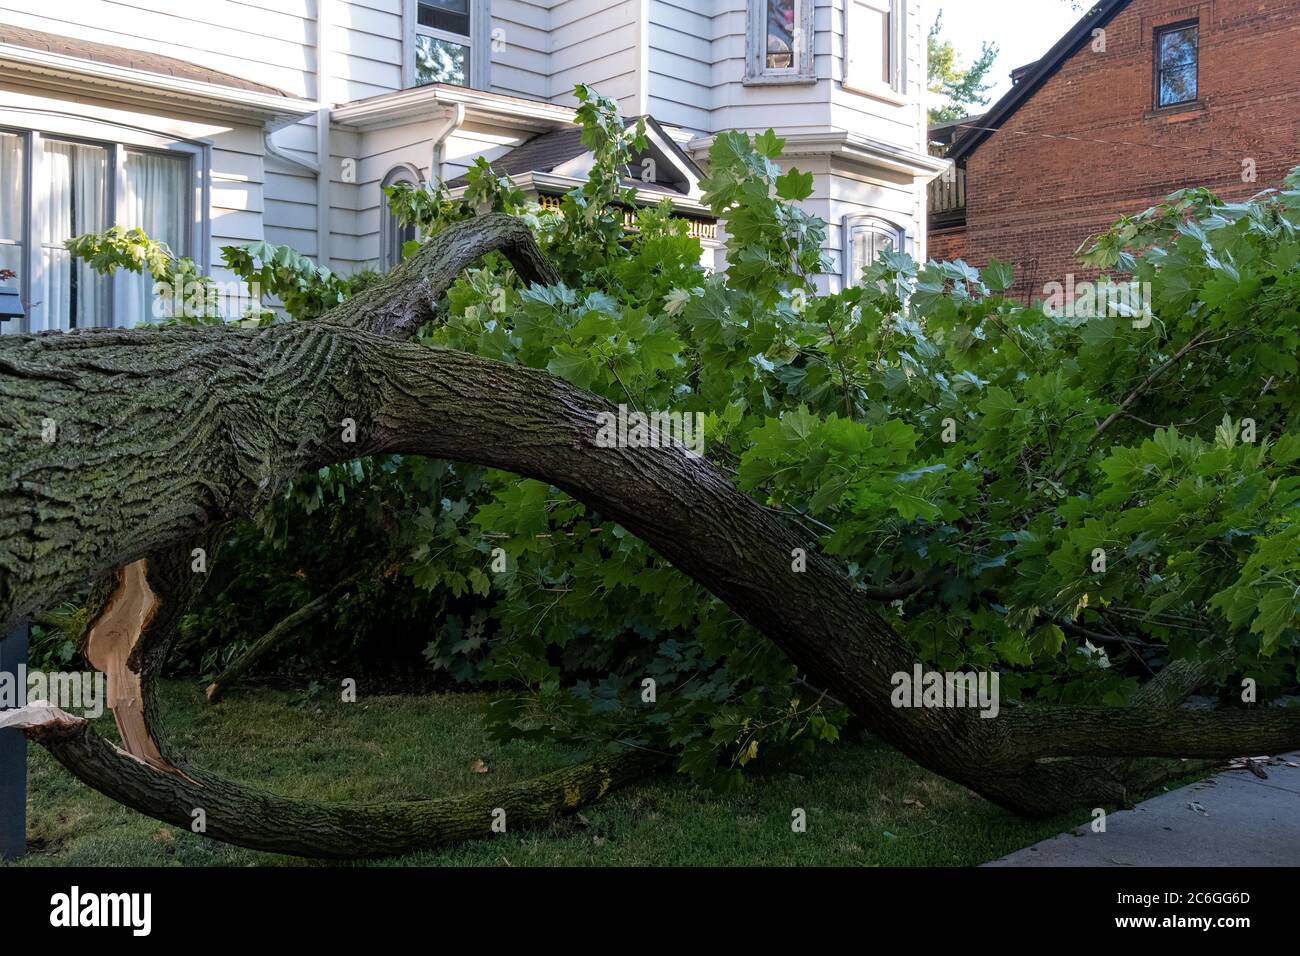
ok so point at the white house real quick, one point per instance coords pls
(217, 122)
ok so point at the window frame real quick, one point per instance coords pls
(26, 232)
(1157, 68)
(895, 90)
(390, 251)
(89, 132)
(476, 42)
(757, 72)
(856, 222)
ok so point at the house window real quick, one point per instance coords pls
(442, 42)
(874, 41)
(1177, 61)
(13, 220)
(392, 234)
(779, 42)
(865, 239)
(54, 189)
(73, 188)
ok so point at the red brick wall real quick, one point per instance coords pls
(946, 245)
(1032, 201)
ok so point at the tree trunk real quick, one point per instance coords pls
(164, 433)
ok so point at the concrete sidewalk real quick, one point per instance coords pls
(1231, 819)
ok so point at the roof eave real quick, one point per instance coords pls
(141, 87)
(404, 106)
(554, 184)
(1045, 69)
(862, 149)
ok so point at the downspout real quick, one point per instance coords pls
(452, 123)
(278, 153)
(322, 136)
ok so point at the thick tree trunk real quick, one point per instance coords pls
(164, 433)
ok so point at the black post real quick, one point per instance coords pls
(13, 753)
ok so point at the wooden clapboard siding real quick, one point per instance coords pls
(266, 42)
(597, 42)
(522, 67)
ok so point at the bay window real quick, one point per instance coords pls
(13, 222)
(779, 42)
(874, 46)
(73, 191)
(54, 188)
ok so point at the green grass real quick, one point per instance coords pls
(866, 804)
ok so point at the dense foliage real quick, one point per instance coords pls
(1070, 496)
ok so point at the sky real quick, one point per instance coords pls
(1022, 29)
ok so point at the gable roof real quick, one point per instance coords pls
(1030, 78)
(547, 152)
(131, 59)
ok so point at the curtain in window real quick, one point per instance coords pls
(11, 207)
(75, 192)
(156, 199)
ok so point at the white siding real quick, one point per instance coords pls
(598, 42)
(269, 41)
(682, 61)
(522, 64)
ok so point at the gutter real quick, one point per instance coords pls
(415, 104)
(452, 123)
(274, 150)
(920, 166)
(277, 110)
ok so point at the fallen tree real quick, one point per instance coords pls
(126, 450)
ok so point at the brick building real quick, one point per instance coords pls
(1140, 98)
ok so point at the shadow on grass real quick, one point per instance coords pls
(866, 804)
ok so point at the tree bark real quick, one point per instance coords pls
(264, 821)
(165, 433)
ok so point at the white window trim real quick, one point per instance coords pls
(756, 71)
(854, 222)
(403, 173)
(479, 42)
(123, 138)
(895, 91)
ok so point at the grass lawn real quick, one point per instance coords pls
(866, 804)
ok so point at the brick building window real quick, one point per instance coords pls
(1177, 62)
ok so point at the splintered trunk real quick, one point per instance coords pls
(163, 434)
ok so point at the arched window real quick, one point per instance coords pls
(392, 234)
(865, 238)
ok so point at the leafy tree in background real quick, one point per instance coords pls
(962, 90)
